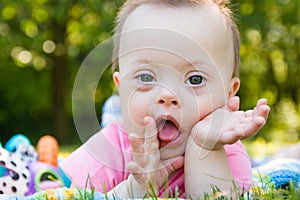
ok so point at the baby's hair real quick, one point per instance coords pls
(130, 5)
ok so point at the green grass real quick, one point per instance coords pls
(255, 193)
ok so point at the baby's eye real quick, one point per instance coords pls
(146, 78)
(195, 80)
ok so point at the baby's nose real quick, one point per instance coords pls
(167, 98)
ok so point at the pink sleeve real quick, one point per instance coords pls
(240, 165)
(101, 160)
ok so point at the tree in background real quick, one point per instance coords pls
(43, 42)
(270, 68)
(42, 46)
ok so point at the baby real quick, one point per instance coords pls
(176, 70)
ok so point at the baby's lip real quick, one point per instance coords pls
(160, 120)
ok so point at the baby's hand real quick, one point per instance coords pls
(227, 125)
(147, 168)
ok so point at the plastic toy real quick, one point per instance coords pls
(20, 145)
(47, 149)
(26, 153)
(16, 178)
(43, 176)
(65, 178)
(12, 144)
(2, 169)
(111, 111)
(23, 171)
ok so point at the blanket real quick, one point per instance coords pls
(280, 173)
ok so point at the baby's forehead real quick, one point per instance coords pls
(149, 14)
(184, 29)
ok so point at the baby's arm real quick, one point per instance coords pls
(147, 168)
(205, 168)
(205, 158)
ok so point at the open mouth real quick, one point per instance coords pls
(167, 131)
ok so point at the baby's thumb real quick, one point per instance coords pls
(173, 164)
(233, 104)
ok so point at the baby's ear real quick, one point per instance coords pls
(234, 86)
(116, 78)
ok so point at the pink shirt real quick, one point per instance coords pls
(104, 157)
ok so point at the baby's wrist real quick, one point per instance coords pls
(207, 144)
(199, 151)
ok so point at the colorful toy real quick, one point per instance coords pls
(65, 178)
(16, 178)
(43, 176)
(12, 144)
(26, 153)
(47, 149)
(23, 171)
(20, 145)
(111, 111)
(2, 169)
(63, 193)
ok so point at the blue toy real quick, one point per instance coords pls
(2, 169)
(12, 144)
(111, 111)
(65, 178)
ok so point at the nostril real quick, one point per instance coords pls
(161, 101)
(168, 102)
(175, 103)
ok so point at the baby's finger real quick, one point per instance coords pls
(251, 127)
(261, 102)
(230, 137)
(263, 111)
(233, 104)
(151, 143)
(137, 172)
(134, 167)
(136, 143)
(249, 113)
(138, 150)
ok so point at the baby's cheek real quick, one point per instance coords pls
(133, 117)
(208, 105)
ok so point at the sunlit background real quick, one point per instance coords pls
(43, 42)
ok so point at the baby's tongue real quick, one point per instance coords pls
(168, 132)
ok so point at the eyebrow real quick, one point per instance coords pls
(203, 65)
(142, 61)
(200, 65)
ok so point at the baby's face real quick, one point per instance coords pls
(176, 66)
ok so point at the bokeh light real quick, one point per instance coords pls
(49, 46)
(25, 57)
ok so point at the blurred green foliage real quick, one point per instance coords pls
(43, 43)
(270, 53)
